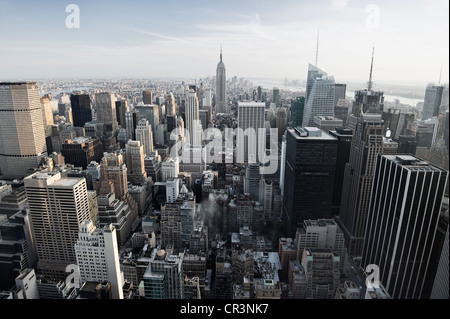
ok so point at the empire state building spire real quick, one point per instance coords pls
(221, 86)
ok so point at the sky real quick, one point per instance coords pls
(260, 39)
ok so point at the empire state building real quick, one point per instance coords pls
(221, 87)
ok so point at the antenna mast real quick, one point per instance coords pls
(369, 87)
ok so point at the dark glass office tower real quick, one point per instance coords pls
(367, 142)
(309, 177)
(81, 109)
(121, 109)
(432, 101)
(407, 145)
(297, 109)
(402, 224)
(344, 137)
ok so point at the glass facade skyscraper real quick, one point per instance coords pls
(432, 101)
(81, 109)
(402, 223)
(309, 177)
(320, 91)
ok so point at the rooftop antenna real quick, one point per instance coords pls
(369, 87)
(317, 48)
(221, 53)
(440, 76)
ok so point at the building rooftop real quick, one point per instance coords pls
(318, 223)
(327, 118)
(78, 140)
(310, 133)
(412, 163)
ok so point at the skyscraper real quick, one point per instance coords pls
(106, 114)
(367, 102)
(297, 111)
(407, 145)
(259, 96)
(147, 97)
(402, 222)
(22, 134)
(281, 122)
(170, 168)
(171, 224)
(16, 248)
(193, 125)
(144, 135)
(97, 255)
(432, 101)
(134, 154)
(47, 114)
(68, 114)
(276, 98)
(121, 109)
(117, 213)
(221, 87)
(80, 151)
(344, 138)
(309, 177)
(81, 109)
(252, 178)
(367, 142)
(132, 119)
(113, 169)
(58, 207)
(151, 113)
(440, 286)
(170, 105)
(250, 120)
(340, 91)
(319, 95)
(164, 278)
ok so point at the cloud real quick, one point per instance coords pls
(156, 35)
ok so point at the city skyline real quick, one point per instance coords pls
(179, 39)
(264, 150)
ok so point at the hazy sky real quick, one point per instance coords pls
(260, 39)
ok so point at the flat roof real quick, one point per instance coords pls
(311, 133)
(67, 182)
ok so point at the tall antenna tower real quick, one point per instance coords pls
(369, 86)
(440, 76)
